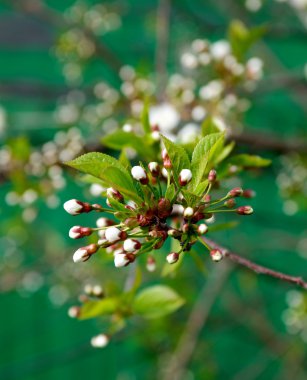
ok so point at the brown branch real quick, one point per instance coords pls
(259, 269)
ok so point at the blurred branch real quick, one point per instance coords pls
(162, 31)
(265, 141)
(196, 321)
(259, 269)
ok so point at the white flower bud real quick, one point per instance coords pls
(155, 135)
(97, 291)
(185, 177)
(172, 258)
(100, 341)
(220, 49)
(103, 222)
(151, 264)
(120, 260)
(81, 255)
(139, 174)
(188, 212)
(74, 311)
(73, 207)
(74, 232)
(202, 229)
(131, 245)
(113, 234)
(177, 209)
(216, 255)
(154, 169)
(164, 173)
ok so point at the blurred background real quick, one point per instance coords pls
(71, 72)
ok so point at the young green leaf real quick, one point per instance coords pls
(208, 126)
(170, 192)
(145, 118)
(157, 301)
(109, 170)
(247, 160)
(200, 157)
(178, 156)
(93, 309)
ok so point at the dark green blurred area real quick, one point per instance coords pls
(38, 340)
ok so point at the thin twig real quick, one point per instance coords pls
(196, 321)
(259, 269)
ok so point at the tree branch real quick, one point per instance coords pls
(259, 269)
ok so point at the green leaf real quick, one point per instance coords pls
(200, 157)
(241, 38)
(170, 192)
(145, 118)
(247, 160)
(178, 156)
(93, 309)
(121, 139)
(109, 170)
(157, 301)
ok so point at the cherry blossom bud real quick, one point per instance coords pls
(113, 193)
(230, 203)
(75, 207)
(216, 255)
(185, 177)
(84, 253)
(100, 341)
(185, 228)
(121, 260)
(103, 243)
(114, 234)
(249, 193)
(139, 174)
(131, 245)
(155, 135)
(202, 229)
(235, 192)
(74, 312)
(166, 160)
(78, 232)
(245, 210)
(207, 198)
(174, 233)
(151, 264)
(97, 291)
(172, 257)
(164, 208)
(104, 222)
(164, 173)
(188, 212)
(212, 176)
(154, 169)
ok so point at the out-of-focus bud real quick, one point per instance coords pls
(188, 212)
(185, 177)
(249, 193)
(100, 341)
(154, 169)
(97, 291)
(230, 203)
(207, 198)
(131, 223)
(114, 234)
(164, 208)
(216, 255)
(139, 174)
(245, 210)
(172, 257)
(77, 232)
(202, 229)
(132, 245)
(185, 228)
(151, 264)
(113, 193)
(212, 176)
(166, 160)
(74, 311)
(235, 192)
(177, 209)
(164, 173)
(84, 253)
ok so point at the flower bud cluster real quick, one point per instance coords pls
(145, 226)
